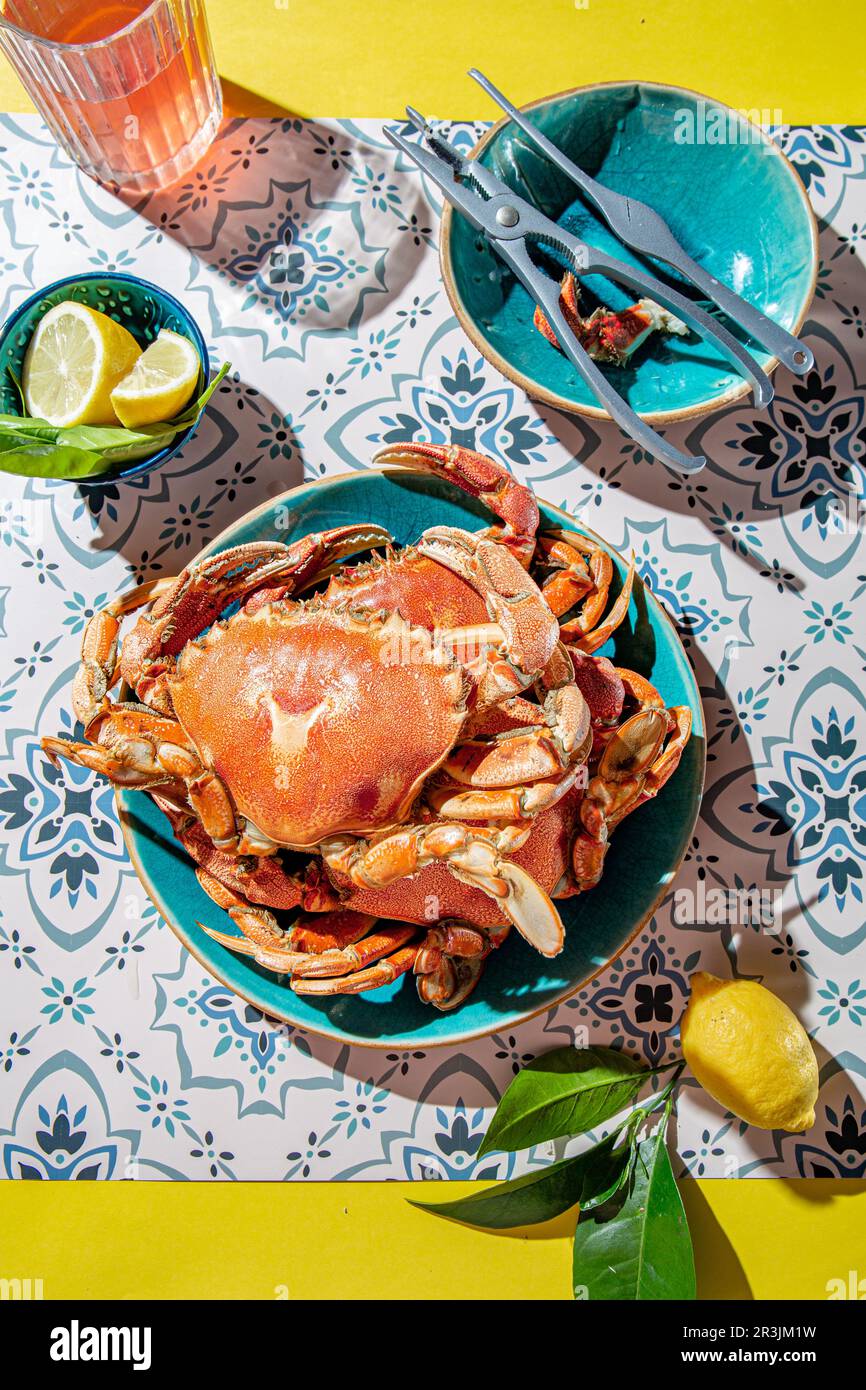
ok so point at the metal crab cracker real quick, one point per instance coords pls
(514, 226)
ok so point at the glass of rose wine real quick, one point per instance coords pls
(128, 88)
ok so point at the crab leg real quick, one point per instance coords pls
(529, 631)
(577, 634)
(663, 768)
(447, 964)
(502, 803)
(639, 689)
(511, 758)
(571, 580)
(256, 878)
(355, 959)
(568, 303)
(373, 977)
(300, 949)
(202, 592)
(512, 715)
(447, 961)
(322, 555)
(633, 768)
(609, 336)
(472, 855)
(582, 570)
(98, 671)
(262, 935)
(481, 477)
(137, 747)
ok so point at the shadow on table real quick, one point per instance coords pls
(245, 452)
(821, 1191)
(720, 1275)
(290, 224)
(242, 103)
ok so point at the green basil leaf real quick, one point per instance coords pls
(35, 448)
(565, 1092)
(588, 1179)
(638, 1245)
(39, 460)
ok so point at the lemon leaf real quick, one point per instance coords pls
(638, 1245)
(588, 1179)
(565, 1092)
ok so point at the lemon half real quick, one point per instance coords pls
(750, 1052)
(160, 384)
(73, 362)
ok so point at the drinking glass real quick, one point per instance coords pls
(129, 89)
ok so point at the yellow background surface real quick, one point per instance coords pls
(369, 57)
(798, 63)
(761, 1239)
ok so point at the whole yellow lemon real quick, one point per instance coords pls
(750, 1052)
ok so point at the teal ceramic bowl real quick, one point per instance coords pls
(143, 308)
(737, 207)
(645, 852)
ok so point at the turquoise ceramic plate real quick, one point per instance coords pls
(646, 850)
(730, 196)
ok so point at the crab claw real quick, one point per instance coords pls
(450, 960)
(451, 983)
(473, 856)
(575, 635)
(529, 632)
(481, 477)
(317, 557)
(608, 336)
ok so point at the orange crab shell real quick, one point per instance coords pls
(414, 585)
(301, 764)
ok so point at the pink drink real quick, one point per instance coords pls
(129, 89)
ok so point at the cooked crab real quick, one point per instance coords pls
(345, 938)
(409, 743)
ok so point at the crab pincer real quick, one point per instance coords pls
(481, 477)
(472, 853)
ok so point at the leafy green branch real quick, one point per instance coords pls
(36, 449)
(632, 1240)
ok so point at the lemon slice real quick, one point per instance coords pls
(160, 384)
(73, 362)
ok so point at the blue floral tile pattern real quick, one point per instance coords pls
(307, 252)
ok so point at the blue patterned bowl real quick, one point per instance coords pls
(141, 307)
(737, 207)
(645, 853)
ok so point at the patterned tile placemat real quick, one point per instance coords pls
(309, 259)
